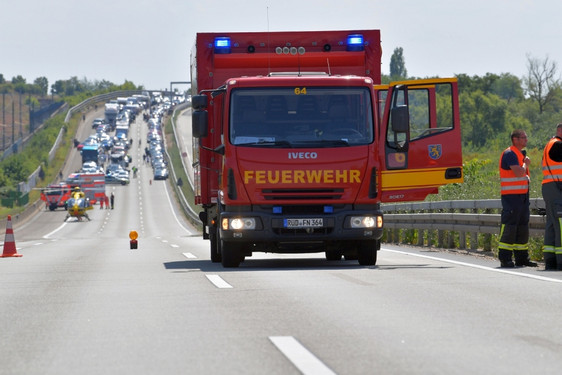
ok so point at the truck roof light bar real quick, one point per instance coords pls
(222, 45)
(355, 42)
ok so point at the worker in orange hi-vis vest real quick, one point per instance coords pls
(514, 183)
(552, 195)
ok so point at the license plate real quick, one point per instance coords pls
(304, 223)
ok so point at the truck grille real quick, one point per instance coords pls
(302, 194)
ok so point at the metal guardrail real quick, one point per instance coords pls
(97, 99)
(469, 218)
(194, 217)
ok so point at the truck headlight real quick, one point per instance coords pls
(238, 223)
(366, 222)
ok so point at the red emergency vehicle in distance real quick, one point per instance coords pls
(56, 195)
(298, 143)
(92, 184)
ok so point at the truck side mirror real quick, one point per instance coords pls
(400, 119)
(199, 124)
(199, 102)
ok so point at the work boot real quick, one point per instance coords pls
(549, 262)
(505, 258)
(522, 259)
(507, 264)
(559, 262)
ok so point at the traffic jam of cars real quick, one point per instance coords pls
(105, 153)
(107, 150)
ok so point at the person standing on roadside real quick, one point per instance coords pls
(514, 183)
(112, 199)
(552, 195)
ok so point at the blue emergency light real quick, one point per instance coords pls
(355, 42)
(222, 44)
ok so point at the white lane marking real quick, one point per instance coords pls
(174, 245)
(174, 213)
(305, 361)
(188, 255)
(55, 231)
(218, 281)
(542, 278)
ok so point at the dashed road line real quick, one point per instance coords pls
(218, 282)
(305, 361)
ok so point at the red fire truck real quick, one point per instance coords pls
(56, 195)
(297, 142)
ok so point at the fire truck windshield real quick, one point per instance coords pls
(301, 117)
(54, 192)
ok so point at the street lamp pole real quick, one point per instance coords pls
(21, 120)
(13, 120)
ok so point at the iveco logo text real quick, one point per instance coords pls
(303, 155)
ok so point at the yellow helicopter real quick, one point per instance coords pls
(77, 205)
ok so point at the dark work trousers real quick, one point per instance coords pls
(514, 235)
(552, 250)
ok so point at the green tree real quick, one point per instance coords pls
(471, 84)
(15, 168)
(43, 84)
(398, 65)
(482, 117)
(18, 80)
(3, 179)
(127, 85)
(58, 88)
(73, 86)
(508, 87)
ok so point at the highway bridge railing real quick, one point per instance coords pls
(463, 224)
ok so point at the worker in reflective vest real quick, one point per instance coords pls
(514, 182)
(552, 195)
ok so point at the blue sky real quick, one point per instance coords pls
(148, 42)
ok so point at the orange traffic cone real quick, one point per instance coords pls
(9, 242)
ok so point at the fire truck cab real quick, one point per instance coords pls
(297, 143)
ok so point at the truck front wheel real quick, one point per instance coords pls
(214, 238)
(367, 252)
(231, 254)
